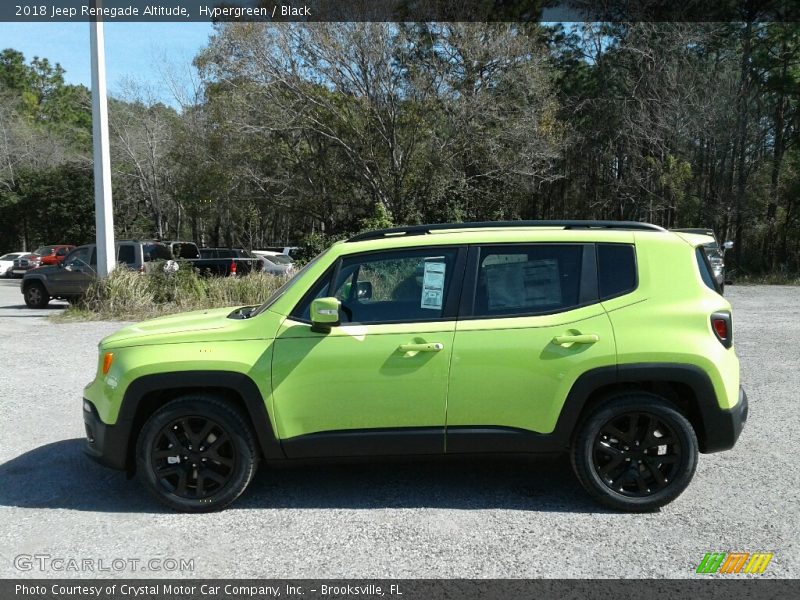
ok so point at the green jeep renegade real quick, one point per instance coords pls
(607, 340)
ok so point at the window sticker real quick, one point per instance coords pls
(433, 286)
(522, 285)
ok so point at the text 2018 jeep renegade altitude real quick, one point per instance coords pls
(607, 340)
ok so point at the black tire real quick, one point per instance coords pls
(618, 459)
(215, 460)
(36, 295)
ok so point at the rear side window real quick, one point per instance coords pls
(156, 252)
(705, 269)
(126, 255)
(528, 279)
(616, 270)
(185, 251)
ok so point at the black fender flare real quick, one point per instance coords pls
(715, 431)
(239, 383)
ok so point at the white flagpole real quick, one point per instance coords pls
(103, 209)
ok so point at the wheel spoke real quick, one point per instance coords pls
(169, 470)
(640, 482)
(181, 489)
(187, 430)
(657, 475)
(166, 453)
(615, 432)
(173, 439)
(213, 475)
(201, 437)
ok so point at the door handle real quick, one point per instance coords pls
(582, 338)
(428, 347)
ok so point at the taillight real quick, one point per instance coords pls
(233, 267)
(723, 328)
(141, 269)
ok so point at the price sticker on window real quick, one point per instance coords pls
(433, 286)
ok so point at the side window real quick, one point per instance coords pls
(528, 279)
(77, 258)
(402, 285)
(126, 255)
(705, 269)
(616, 266)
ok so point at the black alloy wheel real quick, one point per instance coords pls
(193, 457)
(197, 453)
(635, 452)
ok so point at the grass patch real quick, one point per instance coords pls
(129, 296)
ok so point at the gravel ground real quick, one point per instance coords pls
(465, 519)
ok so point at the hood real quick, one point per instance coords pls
(196, 326)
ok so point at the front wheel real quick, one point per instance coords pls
(36, 296)
(196, 454)
(635, 453)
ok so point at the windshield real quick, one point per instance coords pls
(44, 251)
(279, 259)
(10, 256)
(282, 290)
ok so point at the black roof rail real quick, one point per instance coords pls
(574, 224)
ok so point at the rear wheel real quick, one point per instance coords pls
(36, 295)
(635, 452)
(196, 454)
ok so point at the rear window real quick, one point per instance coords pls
(616, 270)
(705, 269)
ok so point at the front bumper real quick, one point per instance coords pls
(107, 444)
(723, 426)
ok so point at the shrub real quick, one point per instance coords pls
(127, 295)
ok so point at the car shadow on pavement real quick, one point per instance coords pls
(59, 475)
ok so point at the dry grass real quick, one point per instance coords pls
(129, 296)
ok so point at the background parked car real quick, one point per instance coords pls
(71, 278)
(275, 263)
(7, 263)
(226, 261)
(52, 255)
(715, 253)
(25, 263)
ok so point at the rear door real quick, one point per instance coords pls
(531, 324)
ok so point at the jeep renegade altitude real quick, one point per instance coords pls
(608, 340)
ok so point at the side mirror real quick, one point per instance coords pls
(727, 245)
(364, 290)
(325, 313)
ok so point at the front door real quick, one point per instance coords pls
(377, 383)
(533, 325)
(76, 272)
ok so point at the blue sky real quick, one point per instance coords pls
(133, 50)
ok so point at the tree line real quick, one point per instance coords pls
(304, 134)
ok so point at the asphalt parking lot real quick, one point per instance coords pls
(493, 519)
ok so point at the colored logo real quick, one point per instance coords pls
(734, 562)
